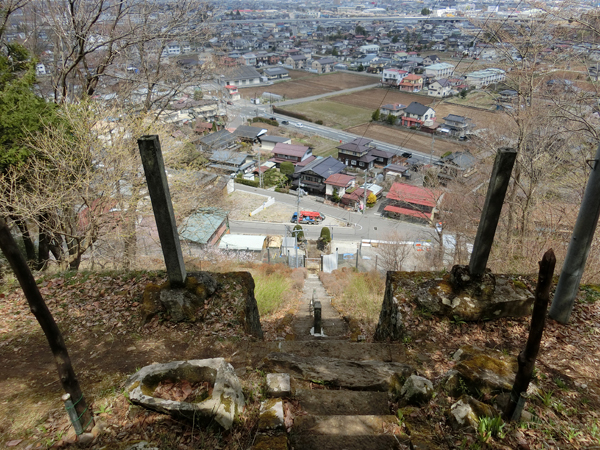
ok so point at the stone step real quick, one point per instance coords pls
(364, 432)
(318, 442)
(342, 402)
(342, 373)
(341, 349)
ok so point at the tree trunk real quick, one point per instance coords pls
(43, 247)
(27, 241)
(527, 357)
(44, 317)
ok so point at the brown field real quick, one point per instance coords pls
(406, 138)
(311, 84)
(373, 98)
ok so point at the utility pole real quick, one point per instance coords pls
(365, 193)
(260, 185)
(432, 142)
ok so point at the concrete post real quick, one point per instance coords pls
(317, 326)
(579, 247)
(503, 165)
(158, 187)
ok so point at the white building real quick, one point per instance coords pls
(440, 70)
(369, 49)
(393, 76)
(485, 77)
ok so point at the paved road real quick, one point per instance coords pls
(360, 226)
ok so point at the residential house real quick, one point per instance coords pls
(396, 170)
(440, 88)
(417, 115)
(485, 77)
(323, 65)
(338, 183)
(413, 203)
(231, 162)
(296, 61)
(356, 153)
(240, 76)
(276, 73)
(455, 165)
(40, 69)
(431, 59)
(268, 143)
(248, 59)
(291, 153)
(244, 243)
(219, 140)
(356, 198)
(204, 227)
(393, 77)
(369, 49)
(233, 92)
(313, 175)
(382, 158)
(249, 134)
(456, 126)
(440, 70)
(411, 83)
(395, 109)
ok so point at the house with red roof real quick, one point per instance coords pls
(412, 203)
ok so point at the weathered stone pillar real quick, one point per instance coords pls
(503, 165)
(158, 187)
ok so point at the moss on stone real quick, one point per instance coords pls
(519, 284)
(266, 442)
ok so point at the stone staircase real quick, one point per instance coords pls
(338, 395)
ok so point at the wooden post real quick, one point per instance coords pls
(527, 357)
(158, 188)
(490, 214)
(40, 310)
(317, 314)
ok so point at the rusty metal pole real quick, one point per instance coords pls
(503, 165)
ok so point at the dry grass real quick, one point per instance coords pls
(333, 114)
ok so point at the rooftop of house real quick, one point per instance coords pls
(416, 108)
(413, 194)
(290, 150)
(339, 179)
(202, 224)
(324, 167)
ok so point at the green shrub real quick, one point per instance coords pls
(265, 120)
(319, 122)
(247, 182)
(299, 233)
(291, 114)
(325, 235)
(282, 190)
(270, 291)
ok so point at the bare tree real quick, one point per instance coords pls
(394, 251)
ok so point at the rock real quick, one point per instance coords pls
(483, 370)
(278, 385)
(99, 427)
(142, 445)
(422, 434)
(459, 296)
(451, 383)
(226, 401)
(417, 390)
(390, 324)
(85, 439)
(179, 305)
(271, 415)
(358, 375)
(251, 317)
(267, 442)
(465, 413)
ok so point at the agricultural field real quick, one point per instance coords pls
(311, 84)
(332, 113)
(321, 146)
(407, 138)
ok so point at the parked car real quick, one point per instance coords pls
(310, 217)
(284, 122)
(298, 124)
(407, 155)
